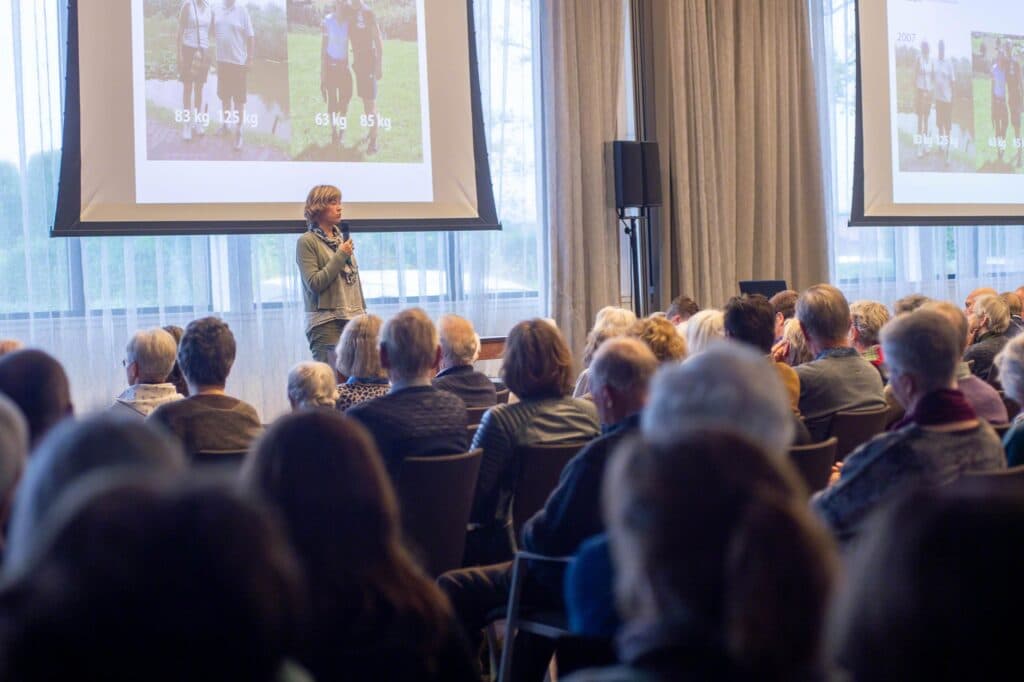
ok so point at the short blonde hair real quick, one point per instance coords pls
(996, 310)
(868, 318)
(459, 343)
(312, 384)
(358, 350)
(609, 323)
(317, 200)
(661, 337)
(799, 352)
(703, 329)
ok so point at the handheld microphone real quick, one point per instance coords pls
(344, 232)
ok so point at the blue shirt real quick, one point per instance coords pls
(337, 38)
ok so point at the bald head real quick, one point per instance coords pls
(459, 343)
(620, 375)
(37, 384)
(10, 345)
(975, 295)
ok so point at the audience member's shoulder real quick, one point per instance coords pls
(583, 405)
(449, 398)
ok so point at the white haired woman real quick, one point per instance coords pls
(358, 354)
(703, 329)
(609, 323)
(988, 320)
(311, 384)
(1010, 364)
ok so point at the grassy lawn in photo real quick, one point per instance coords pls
(398, 99)
(988, 157)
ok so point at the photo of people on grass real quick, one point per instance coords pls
(217, 80)
(354, 76)
(999, 101)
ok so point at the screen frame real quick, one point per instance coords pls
(68, 223)
(857, 217)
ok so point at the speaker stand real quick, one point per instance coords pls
(631, 227)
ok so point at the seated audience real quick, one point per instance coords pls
(414, 419)
(358, 353)
(681, 309)
(10, 345)
(939, 438)
(71, 452)
(311, 384)
(661, 337)
(792, 348)
(1010, 363)
(13, 454)
(538, 369)
(140, 581)
(838, 378)
(983, 398)
(610, 323)
(1014, 304)
(37, 384)
(934, 589)
(783, 308)
(208, 420)
(749, 319)
(148, 361)
(720, 571)
(702, 330)
(987, 324)
(909, 303)
(460, 347)
(866, 321)
(176, 377)
(374, 614)
(973, 297)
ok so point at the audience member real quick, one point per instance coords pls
(866, 321)
(311, 384)
(783, 308)
(720, 571)
(749, 319)
(909, 303)
(838, 378)
(74, 450)
(983, 398)
(358, 353)
(37, 384)
(176, 377)
(729, 386)
(374, 614)
(460, 347)
(975, 295)
(931, 589)
(136, 580)
(792, 348)
(702, 330)
(1014, 304)
(681, 309)
(148, 361)
(661, 337)
(938, 440)
(538, 369)
(414, 419)
(610, 323)
(1010, 363)
(10, 345)
(987, 324)
(208, 420)
(13, 454)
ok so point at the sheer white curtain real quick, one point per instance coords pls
(80, 299)
(886, 263)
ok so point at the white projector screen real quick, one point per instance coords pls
(379, 98)
(940, 113)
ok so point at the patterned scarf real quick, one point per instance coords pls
(350, 271)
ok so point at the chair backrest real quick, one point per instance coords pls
(476, 414)
(1010, 480)
(502, 396)
(471, 430)
(814, 462)
(1012, 408)
(220, 460)
(855, 427)
(540, 465)
(436, 494)
(1001, 429)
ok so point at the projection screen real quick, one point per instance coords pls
(218, 116)
(940, 113)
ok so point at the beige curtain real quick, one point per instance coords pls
(582, 42)
(737, 128)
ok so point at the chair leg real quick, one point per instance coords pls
(491, 633)
(511, 622)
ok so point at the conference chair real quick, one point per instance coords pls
(540, 466)
(1009, 480)
(814, 462)
(854, 427)
(502, 396)
(476, 414)
(436, 494)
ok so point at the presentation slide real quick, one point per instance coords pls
(230, 110)
(942, 107)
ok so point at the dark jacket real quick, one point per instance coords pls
(475, 389)
(981, 353)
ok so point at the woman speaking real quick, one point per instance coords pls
(330, 277)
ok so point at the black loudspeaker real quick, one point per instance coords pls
(637, 174)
